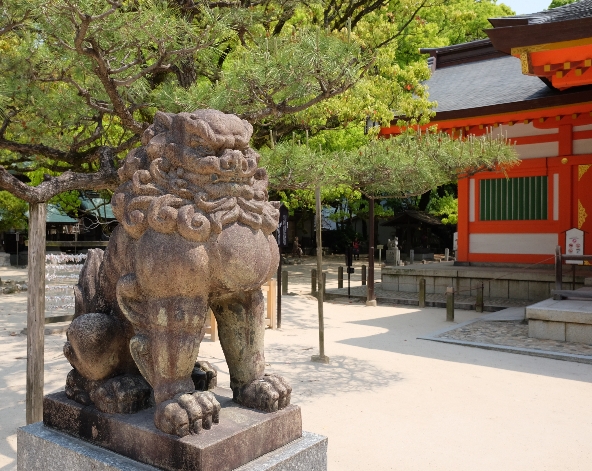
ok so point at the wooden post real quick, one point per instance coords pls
(320, 358)
(363, 275)
(36, 313)
(324, 282)
(422, 292)
(340, 277)
(313, 281)
(558, 271)
(411, 256)
(479, 301)
(213, 327)
(271, 294)
(446, 254)
(285, 282)
(279, 293)
(450, 304)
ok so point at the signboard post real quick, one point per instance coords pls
(574, 245)
(282, 241)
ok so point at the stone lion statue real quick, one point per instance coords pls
(194, 234)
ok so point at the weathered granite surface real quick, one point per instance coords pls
(242, 435)
(42, 448)
(195, 234)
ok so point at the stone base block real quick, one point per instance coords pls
(43, 448)
(546, 330)
(242, 435)
(581, 333)
(4, 259)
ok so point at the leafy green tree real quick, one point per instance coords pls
(400, 167)
(444, 206)
(12, 212)
(80, 81)
(560, 3)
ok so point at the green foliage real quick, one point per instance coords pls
(400, 167)
(75, 76)
(560, 3)
(12, 212)
(415, 162)
(444, 206)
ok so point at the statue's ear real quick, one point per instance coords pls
(163, 120)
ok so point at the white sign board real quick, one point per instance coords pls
(574, 245)
(455, 241)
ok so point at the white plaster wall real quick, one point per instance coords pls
(582, 146)
(533, 151)
(586, 127)
(521, 129)
(523, 244)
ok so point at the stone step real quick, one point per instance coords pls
(566, 320)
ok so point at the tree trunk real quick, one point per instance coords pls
(320, 273)
(370, 289)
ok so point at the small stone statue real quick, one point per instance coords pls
(195, 233)
(392, 244)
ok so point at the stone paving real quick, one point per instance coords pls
(511, 334)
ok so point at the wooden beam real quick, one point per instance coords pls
(36, 313)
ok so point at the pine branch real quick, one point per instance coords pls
(105, 178)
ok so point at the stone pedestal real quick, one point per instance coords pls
(43, 448)
(391, 256)
(4, 259)
(243, 440)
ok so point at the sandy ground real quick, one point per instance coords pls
(387, 401)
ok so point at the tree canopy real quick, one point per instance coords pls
(80, 81)
(560, 3)
(400, 167)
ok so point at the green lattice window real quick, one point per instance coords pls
(508, 199)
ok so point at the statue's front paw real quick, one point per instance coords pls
(270, 393)
(187, 413)
(125, 394)
(204, 376)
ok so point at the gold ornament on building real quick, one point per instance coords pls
(581, 214)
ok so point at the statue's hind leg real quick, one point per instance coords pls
(241, 328)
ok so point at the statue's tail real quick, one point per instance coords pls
(88, 293)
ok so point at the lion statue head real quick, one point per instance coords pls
(193, 175)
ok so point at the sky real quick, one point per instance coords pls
(522, 7)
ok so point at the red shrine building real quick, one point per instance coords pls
(532, 82)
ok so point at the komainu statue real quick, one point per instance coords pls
(194, 234)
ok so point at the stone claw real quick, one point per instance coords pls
(124, 394)
(270, 393)
(204, 376)
(188, 413)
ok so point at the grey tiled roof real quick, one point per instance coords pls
(574, 11)
(485, 83)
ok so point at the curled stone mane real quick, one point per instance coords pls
(193, 175)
